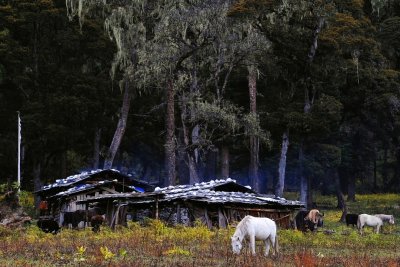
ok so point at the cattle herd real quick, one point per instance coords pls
(252, 228)
(93, 217)
(305, 220)
(312, 219)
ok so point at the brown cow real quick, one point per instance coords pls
(308, 220)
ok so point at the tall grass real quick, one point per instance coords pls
(159, 245)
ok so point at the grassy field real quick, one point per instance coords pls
(159, 245)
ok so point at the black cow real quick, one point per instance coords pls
(351, 219)
(48, 226)
(73, 218)
(304, 224)
(96, 221)
(299, 220)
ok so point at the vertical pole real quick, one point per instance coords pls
(157, 215)
(19, 152)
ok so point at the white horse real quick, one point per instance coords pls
(369, 220)
(255, 228)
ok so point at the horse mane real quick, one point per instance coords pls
(241, 228)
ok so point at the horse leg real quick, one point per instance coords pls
(377, 228)
(273, 238)
(253, 244)
(267, 244)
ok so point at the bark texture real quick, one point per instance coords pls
(225, 162)
(303, 180)
(121, 127)
(96, 148)
(170, 156)
(309, 95)
(282, 165)
(37, 183)
(254, 140)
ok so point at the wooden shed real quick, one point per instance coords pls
(216, 203)
(64, 195)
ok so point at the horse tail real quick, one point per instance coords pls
(276, 247)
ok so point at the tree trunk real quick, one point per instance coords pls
(310, 201)
(121, 127)
(308, 102)
(195, 142)
(170, 137)
(96, 148)
(196, 166)
(351, 187)
(282, 165)
(254, 142)
(339, 194)
(181, 161)
(194, 178)
(303, 180)
(198, 154)
(189, 136)
(211, 165)
(37, 183)
(314, 45)
(224, 162)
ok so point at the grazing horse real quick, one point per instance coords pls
(309, 220)
(48, 226)
(369, 220)
(255, 228)
(351, 219)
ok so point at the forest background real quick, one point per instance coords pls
(287, 95)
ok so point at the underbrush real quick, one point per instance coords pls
(159, 245)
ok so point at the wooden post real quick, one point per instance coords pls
(117, 213)
(109, 213)
(156, 208)
(208, 221)
(86, 223)
(221, 219)
(178, 213)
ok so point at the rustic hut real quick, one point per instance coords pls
(214, 203)
(118, 207)
(222, 202)
(63, 195)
